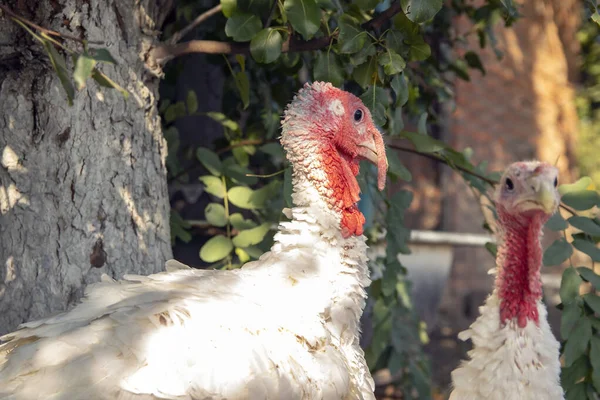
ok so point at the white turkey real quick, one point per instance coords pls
(515, 356)
(283, 327)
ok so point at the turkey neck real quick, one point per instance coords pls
(519, 260)
(333, 268)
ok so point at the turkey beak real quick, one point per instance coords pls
(373, 150)
(544, 194)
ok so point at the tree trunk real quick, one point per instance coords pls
(82, 188)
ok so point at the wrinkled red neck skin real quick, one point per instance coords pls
(341, 174)
(518, 281)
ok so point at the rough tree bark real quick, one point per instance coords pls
(82, 188)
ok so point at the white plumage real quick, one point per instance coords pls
(508, 362)
(283, 327)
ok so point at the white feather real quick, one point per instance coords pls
(508, 362)
(283, 327)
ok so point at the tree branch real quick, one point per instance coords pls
(47, 31)
(440, 159)
(177, 36)
(386, 15)
(164, 52)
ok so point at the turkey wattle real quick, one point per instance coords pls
(514, 355)
(283, 327)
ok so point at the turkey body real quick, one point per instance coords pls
(283, 327)
(508, 362)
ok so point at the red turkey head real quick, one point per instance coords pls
(330, 130)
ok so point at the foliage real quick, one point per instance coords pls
(588, 99)
(580, 304)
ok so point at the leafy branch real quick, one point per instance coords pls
(165, 52)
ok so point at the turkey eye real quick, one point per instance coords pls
(358, 115)
(555, 182)
(509, 184)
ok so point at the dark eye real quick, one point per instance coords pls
(358, 115)
(509, 184)
(555, 182)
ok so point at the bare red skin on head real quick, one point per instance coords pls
(341, 173)
(325, 118)
(518, 282)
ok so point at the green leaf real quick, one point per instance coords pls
(578, 341)
(304, 15)
(593, 301)
(578, 370)
(588, 248)
(239, 174)
(210, 160)
(266, 46)
(327, 68)
(241, 197)
(60, 67)
(391, 62)
(242, 255)
(585, 224)
(243, 86)
(106, 82)
(576, 392)
(273, 149)
(396, 122)
(418, 49)
(352, 37)
(83, 70)
(375, 98)
(215, 214)
(363, 54)
(216, 248)
(474, 61)
(223, 120)
(422, 124)
(424, 143)
(253, 251)
(242, 26)
(238, 222)
(492, 248)
(213, 185)
(396, 168)
(582, 199)
(571, 313)
(174, 111)
(584, 183)
(250, 237)
(366, 5)
(228, 7)
(595, 361)
(569, 285)
(179, 228)
(366, 73)
(557, 222)
(557, 253)
(287, 187)
(420, 11)
(400, 87)
(101, 55)
(590, 276)
(192, 102)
